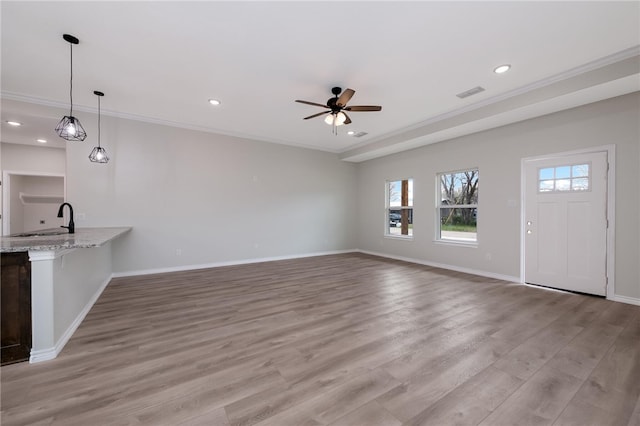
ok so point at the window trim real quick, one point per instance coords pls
(388, 208)
(438, 201)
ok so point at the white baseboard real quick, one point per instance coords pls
(51, 353)
(615, 297)
(42, 355)
(227, 263)
(445, 266)
(625, 299)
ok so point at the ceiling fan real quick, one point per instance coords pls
(337, 106)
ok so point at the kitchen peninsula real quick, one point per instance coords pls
(68, 272)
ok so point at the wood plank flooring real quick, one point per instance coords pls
(348, 340)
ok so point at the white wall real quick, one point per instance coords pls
(210, 198)
(35, 159)
(498, 154)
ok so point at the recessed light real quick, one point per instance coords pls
(214, 102)
(351, 133)
(502, 69)
(41, 140)
(14, 123)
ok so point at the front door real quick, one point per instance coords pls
(565, 233)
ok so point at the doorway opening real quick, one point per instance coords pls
(30, 201)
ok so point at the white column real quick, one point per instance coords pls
(43, 338)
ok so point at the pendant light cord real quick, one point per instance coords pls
(71, 83)
(98, 121)
(335, 125)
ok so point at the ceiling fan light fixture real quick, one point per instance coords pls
(69, 128)
(337, 119)
(335, 113)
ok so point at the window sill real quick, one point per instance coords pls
(470, 244)
(399, 237)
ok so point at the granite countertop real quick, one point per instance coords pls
(82, 238)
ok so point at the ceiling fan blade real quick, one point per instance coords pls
(311, 103)
(316, 115)
(347, 120)
(345, 97)
(364, 108)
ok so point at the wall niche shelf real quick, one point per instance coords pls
(41, 199)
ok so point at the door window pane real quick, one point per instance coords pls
(563, 172)
(563, 178)
(563, 184)
(545, 185)
(546, 173)
(579, 184)
(580, 170)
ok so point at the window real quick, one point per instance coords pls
(457, 206)
(399, 209)
(569, 178)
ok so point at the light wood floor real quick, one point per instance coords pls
(336, 340)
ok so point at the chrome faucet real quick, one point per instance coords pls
(72, 226)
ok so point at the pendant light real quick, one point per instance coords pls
(69, 127)
(98, 155)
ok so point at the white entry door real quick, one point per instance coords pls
(565, 229)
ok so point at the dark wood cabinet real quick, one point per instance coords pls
(15, 307)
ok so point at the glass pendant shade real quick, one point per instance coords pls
(338, 119)
(98, 155)
(69, 128)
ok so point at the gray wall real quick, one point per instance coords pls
(196, 198)
(223, 199)
(498, 155)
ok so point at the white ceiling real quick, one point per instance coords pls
(162, 61)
